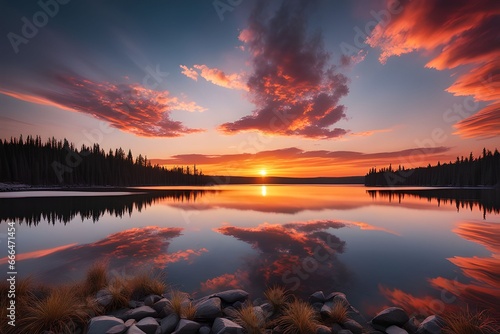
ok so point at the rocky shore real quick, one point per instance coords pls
(221, 313)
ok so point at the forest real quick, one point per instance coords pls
(54, 162)
(464, 172)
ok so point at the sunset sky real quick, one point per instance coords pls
(293, 88)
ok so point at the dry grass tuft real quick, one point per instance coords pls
(338, 313)
(61, 312)
(298, 318)
(120, 292)
(277, 296)
(470, 322)
(96, 278)
(145, 284)
(252, 322)
(180, 304)
(188, 311)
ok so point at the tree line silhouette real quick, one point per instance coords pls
(468, 171)
(55, 162)
(66, 208)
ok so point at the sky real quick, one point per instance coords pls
(293, 88)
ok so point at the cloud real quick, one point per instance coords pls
(295, 90)
(456, 33)
(216, 76)
(189, 72)
(128, 107)
(307, 163)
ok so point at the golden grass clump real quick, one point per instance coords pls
(277, 296)
(298, 318)
(61, 312)
(338, 313)
(145, 284)
(470, 322)
(180, 304)
(120, 293)
(96, 278)
(249, 320)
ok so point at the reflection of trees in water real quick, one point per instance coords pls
(64, 209)
(486, 200)
(300, 256)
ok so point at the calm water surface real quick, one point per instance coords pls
(421, 249)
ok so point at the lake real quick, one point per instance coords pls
(423, 249)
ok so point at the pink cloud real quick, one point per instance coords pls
(189, 72)
(128, 107)
(294, 89)
(457, 33)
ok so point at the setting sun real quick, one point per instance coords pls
(263, 172)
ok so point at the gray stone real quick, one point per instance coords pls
(317, 297)
(141, 313)
(341, 298)
(208, 310)
(317, 306)
(151, 300)
(325, 311)
(333, 294)
(129, 322)
(229, 311)
(412, 325)
(395, 330)
(102, 324)
(431, 325)
(118, 329)
(204, 330)
(148, 325)
(344, 331)
(169, 323)
(187, 327)
(353, 326)
(267, 308)
(336, 328)
(104, 297)
(161, 307)
(231, 296)
(226, 326)
(323, 330)
(134, 330)
(391, 316)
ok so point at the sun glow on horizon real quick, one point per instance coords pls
(263, 172)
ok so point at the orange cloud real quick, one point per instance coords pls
(307, 163)
(296, 92)
(128, 107)
(458, 33)
(483, 233)
(219, 78)
(226, 281)
(189, 72)
(36, 254)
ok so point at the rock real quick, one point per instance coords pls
(336, 328)
(344, 331)
(431, 325)
(208, 310)
(317, 306)
(169, 323)
(187, 327)
(161, 307)
(333, 294)
(353, 326)
(102, 324)
(229, 311)
(151, 300)
(104, 297)
(340, 298)
(129, 322)
(134, 330)
(395, 330)
(226, 326)
(412, 325)
(231, 296)
(323, 330)
(118, 329)
(391, 316)
(148, 325)
(267, 308)
(317, 297)
(238, 305)
(325, 311)
(204, 330)
(141, 313)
